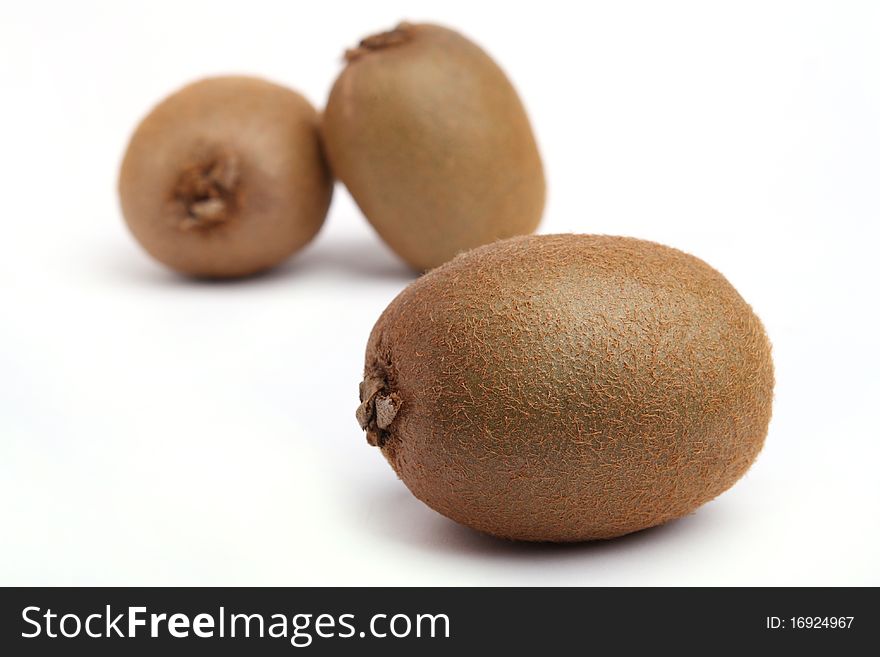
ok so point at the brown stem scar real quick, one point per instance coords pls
(399, 35)
(377, 410)
(208, 190)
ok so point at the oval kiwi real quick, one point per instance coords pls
(226, 177)
(568, 387)
(432, 141)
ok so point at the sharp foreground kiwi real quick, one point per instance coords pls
(568, 387)
(432, 141)
(226, 177)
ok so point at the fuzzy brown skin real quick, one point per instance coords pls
(568, 387)
(432, 141)
(226, 177)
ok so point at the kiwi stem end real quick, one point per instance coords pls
(377, 410)
(399, 35)
(207, 190)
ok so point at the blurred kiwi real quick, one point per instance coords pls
(433, 143)
(226, 177)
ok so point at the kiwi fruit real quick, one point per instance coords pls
(568, 387)
(226, 177)
(433, 143)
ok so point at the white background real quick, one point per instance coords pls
(154, 430)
